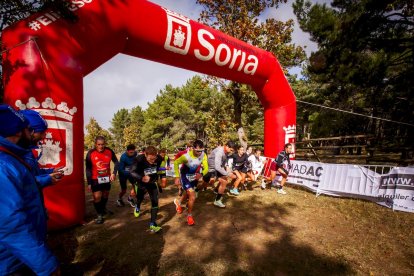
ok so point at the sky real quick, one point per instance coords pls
(127, 82)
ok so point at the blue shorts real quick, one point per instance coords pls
(186, 182)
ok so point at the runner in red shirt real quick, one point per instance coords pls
(99, 176)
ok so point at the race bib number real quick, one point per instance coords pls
(102, 171)
(191, 177)
(151, 170)
(103, 179)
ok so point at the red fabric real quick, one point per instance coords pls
(101, 163)
(57, 54)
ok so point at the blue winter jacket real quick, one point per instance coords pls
(42, 176)
(22, 219)
(125, 164)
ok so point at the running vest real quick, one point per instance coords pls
(193, 165)
(283, 161)
(101, 163)
(239, 161)
(164, 164)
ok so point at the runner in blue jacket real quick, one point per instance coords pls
(22, 219)
(124, 173)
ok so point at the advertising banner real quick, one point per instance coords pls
(394, 189)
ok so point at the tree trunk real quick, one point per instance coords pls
(242, 138)
(234, 90)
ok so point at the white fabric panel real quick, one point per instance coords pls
(394, 189)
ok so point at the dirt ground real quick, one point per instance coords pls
(258, 233)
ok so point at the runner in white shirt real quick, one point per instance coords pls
(256, 165)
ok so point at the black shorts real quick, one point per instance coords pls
(208, 176)
(162, 175)
(241, 170)
(123, 181)
(96, 187)
(215, 174)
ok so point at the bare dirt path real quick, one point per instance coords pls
(259, 233)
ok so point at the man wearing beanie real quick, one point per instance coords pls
(22, 218)
(37, 128)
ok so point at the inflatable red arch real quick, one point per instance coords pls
(45, 59)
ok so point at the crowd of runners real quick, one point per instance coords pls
(23, 216)
(225, 168)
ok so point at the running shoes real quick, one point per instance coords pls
(120, 203)
(155, 228)
(190, 220)
(219, 203)
(136, 212)
(178, 207)
(131, 202)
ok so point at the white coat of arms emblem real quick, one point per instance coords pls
(290, 137)
(57, 147)
(178, 38)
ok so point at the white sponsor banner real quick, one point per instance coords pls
(306, 174)
(394, 189)
(397, 189)
(349, 180)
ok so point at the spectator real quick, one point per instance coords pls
(38, 127)
(22, 218)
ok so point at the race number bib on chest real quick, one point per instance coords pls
(103, 179)
(191, 177)
(151, 170)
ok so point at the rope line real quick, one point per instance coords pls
(354, 113)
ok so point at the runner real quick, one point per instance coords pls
(281, 165)
(217, 168)
(164, 167)
(99, 176)
(193, 166)
(239, 167)
(256, 162)
(249, 151)
(125, 163)
(188, 147)
(144, 170)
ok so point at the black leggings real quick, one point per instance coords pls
(152, 190)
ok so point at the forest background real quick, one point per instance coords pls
(363, 64)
